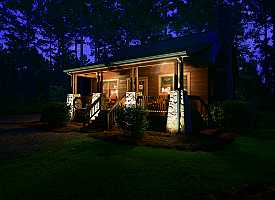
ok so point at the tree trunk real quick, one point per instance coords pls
(50, 52)
(75, 46)
(81, 48)
(273, 52)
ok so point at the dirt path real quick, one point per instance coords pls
(19, 119)
(22, 135)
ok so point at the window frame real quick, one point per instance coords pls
(108, 82)
(187, 87)
(159, 83)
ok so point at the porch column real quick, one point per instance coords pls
(136, 79)
(176, 78)
(91, 82)
(98, 82)
(101, 82)
(132, 79)
(181, 98)
(74, 83)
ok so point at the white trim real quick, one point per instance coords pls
(129, 62)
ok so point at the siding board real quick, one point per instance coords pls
(198, 80)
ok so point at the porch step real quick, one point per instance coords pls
(99, 122)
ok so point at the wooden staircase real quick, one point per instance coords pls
(94, 117)
(99, 121)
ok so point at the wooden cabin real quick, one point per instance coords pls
(190, 64)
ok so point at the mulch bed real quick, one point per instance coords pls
(194, 142)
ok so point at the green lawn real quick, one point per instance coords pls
(91, 169)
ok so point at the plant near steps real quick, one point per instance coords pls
(132, 120)
(55, 114)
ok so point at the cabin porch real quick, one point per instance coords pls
(151, 82)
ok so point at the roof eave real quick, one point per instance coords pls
(129, 61)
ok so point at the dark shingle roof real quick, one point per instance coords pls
(192, 44)
(202, 48)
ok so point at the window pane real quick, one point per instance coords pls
(166, 84)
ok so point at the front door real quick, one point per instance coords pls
(143, 86)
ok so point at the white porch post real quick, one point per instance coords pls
(70, 103)
(74, 83)
(130, 99)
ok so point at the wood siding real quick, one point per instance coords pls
(153, 73)
(197, 78)
(121, 76)
(198, 81)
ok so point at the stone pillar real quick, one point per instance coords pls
(70, 103)
(172, 124)
(176, 113)
(130, 100)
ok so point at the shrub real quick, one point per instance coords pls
(237, 115)
(132, 120)
(55, 114)
(232, 115)
(216, 112)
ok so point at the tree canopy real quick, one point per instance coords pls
(53, 34)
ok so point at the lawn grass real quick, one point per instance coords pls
(85, 168)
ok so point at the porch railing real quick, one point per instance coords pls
(153, 103)
(94, 108)
(198, 103)
(111, 115)
(87, 107)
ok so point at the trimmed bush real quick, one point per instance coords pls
(237, 115)
(132, 121)
(216, 112)
(232, 115)
(55, 114)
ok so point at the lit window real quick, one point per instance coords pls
(166, 84)
(110, 88)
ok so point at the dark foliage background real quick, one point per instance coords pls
(39, 38)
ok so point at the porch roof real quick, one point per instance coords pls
(200, 48)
